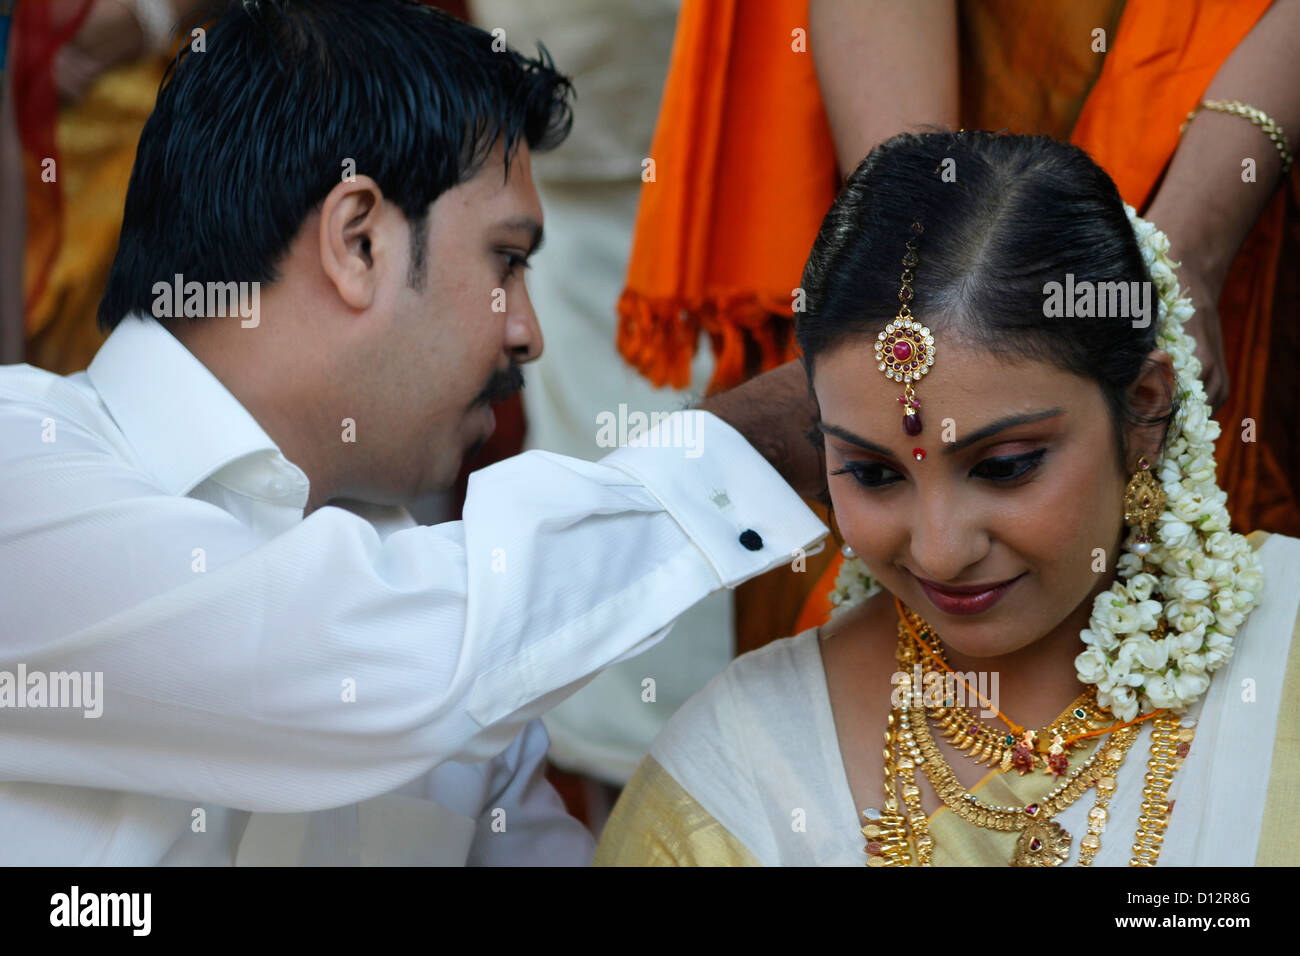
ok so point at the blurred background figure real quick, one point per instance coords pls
(84, 74)
(617, 53)
(12, 210)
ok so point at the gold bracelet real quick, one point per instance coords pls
(1256, 116)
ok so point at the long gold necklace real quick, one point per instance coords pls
(1042, 841)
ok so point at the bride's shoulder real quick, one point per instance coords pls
(796, 663)
(777, 669)
(1266, 542)
(768, 693)
(1279, 558)
(1272, 541)
(783, 684)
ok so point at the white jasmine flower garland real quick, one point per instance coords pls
(1207, 579)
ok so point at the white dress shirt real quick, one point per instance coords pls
(362, 679)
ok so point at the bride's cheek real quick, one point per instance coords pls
(870, 529)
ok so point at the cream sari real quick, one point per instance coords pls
(749, 772)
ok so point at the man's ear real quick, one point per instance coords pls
(349, 239)
(1151, 396)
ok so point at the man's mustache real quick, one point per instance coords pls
(502, 385)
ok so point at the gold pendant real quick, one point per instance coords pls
(1042, 843)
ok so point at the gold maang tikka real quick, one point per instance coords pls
(905, 350)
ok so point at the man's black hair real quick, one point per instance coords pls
(250, 135)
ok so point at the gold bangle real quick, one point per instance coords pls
(1257, 116)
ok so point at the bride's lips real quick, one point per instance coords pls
(968, 599)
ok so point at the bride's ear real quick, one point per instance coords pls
(1151, 399)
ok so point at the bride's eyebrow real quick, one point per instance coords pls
(1010, 421)
(853, 439)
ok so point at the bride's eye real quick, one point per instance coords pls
(869, 474)
(1008, 467)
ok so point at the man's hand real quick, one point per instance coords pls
(776, 413)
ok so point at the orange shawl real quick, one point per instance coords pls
(744, 170)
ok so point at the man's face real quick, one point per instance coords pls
(441, 353)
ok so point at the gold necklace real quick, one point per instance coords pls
(1041, 838)
(984, 743)
(1042, 841)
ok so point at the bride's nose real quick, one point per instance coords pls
(948, 538)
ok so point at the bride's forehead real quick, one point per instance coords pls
(958, 366)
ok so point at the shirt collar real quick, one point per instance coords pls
(181, 421)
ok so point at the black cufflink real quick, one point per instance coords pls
(751, 540)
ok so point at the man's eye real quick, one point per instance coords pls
(514, 263)
(1009, 467)
(869, 474)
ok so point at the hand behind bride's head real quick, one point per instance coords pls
(994, 519)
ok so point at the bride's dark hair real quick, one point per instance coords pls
(1019, 212)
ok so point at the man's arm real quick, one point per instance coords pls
(777, 413)
(523, 821)
(326, 666)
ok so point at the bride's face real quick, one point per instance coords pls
(1021, 482)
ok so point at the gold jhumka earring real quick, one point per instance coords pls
(905, 350)
(1144, 502)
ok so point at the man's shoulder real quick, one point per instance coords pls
(26, 391)
(56, 423)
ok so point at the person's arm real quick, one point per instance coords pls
(1203, 205)
(523, 821)
(883, 67)
(326, 666)
(777, 413)
(13, 211)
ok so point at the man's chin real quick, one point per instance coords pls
(483, 423)
(489, 425)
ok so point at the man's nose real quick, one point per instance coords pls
(523, 331)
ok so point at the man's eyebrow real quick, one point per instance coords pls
(992, 428)
(526, 224)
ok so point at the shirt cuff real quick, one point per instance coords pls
(734, 505)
